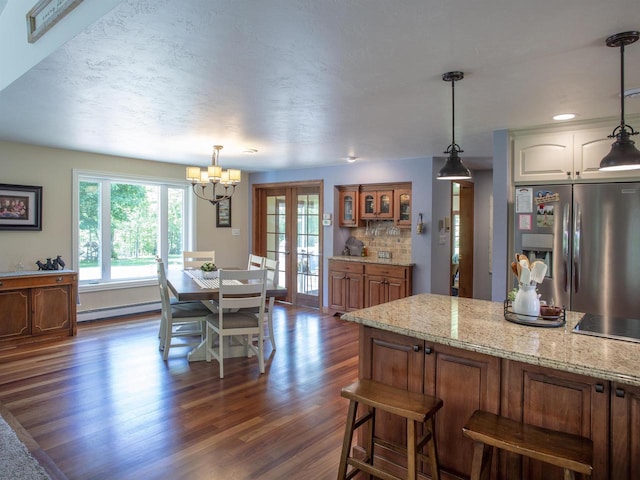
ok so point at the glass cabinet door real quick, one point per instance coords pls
(348, 208)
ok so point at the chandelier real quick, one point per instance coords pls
(213, 176)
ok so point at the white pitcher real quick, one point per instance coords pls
(526, 303)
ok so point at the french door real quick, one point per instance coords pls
(287, 228)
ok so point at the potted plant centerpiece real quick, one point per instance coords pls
(209, 270)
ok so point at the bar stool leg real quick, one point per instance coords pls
(481, 464)
(348, 437)
(432, 451)
(412, 459)
(569, 474)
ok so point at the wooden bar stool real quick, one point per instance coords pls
(415, 407)
(573, 453)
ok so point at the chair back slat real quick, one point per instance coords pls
(242, 289)
(272, 268)
(256, 262)
(194, 260)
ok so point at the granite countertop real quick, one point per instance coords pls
(479, 325)
(402, 262)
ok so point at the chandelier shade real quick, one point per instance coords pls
(623, 154)
(453, 169)
(205, 182)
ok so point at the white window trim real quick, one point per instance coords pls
(95, 286)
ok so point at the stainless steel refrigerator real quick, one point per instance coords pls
(589, 237)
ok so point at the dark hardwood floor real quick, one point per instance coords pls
(104, 405)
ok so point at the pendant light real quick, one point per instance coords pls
(205, 182)
(623, 155)
(454, 169)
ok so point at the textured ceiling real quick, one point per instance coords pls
(308, 82)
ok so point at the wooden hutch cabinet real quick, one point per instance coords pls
(376, 204)
(348, 211)
(36, 306)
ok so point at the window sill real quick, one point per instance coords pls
(116, 285)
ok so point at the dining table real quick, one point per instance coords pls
(190, 285)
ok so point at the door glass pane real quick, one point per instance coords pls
(275, 234)
(308, 253)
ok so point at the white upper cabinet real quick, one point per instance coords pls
(567, 156)
(542, 157)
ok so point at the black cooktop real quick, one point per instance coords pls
(609, 327)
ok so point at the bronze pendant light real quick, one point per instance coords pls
(623, 155)
(454, 169)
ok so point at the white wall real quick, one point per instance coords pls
(52, 169)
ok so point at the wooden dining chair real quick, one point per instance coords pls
(194, 260)
(178, 319)
(256, 262)
(240, 291)
(272, 268)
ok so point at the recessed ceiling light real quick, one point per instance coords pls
(564, 116)
(250, 151)
(351, 158)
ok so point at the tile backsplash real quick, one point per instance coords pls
(396, 241)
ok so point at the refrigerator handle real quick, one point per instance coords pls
(577, 227)
(565, 245)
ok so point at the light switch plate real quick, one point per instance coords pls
(235, 232)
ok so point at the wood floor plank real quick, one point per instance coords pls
(105, 405)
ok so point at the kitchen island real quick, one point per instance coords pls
(465, 352)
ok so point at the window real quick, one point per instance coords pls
(123, 224)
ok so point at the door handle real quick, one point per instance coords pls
(565, 245)
(577, 227)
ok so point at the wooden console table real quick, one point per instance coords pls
(37, 306)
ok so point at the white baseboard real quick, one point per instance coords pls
(112, 312)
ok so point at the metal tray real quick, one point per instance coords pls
(530, 320)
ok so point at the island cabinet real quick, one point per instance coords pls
(625, 431)
(385, 283)
(464, 380)
(346, 291)
(558, 400)
(38, 306)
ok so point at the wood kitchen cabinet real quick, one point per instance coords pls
(564, 156)
(354, 285)
(396, 360)
(402, 207)
(561, 401)
(348, 209)
(346, 292)
(625, 431)
(464, 380)
(37, 306)
(385, 283)
(376, 204)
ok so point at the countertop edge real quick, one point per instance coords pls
(374, 260)
(589, 371)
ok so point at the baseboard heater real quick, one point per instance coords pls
(113, 312)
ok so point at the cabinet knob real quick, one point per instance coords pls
(58, 279)
(428, 350)
(577, 174)
(619, 393)
(416, 348)
(0, 284)
(599, 387)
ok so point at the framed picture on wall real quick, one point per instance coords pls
(223, 213)
(20, 207)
